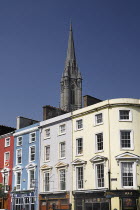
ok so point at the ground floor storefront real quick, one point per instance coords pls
(5, 202)
(24, 201)
(91, 201)
(107, 200)
(54, 201)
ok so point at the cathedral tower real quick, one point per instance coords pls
(71, 81)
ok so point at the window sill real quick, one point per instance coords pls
(78, 155)
(98, 124)
(47, 138)
(125, 149)
(80, 129)
(60, 134)
(125, 120)
(46, 161)
(62, 158)
(100, 151)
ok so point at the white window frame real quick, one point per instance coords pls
(16, 181)
(5, 156)
(77, 121)
(131, 140)
(18, 141)
(60, 130)
(60, 151)
(7, 145)
(46, 172)
(5, 184)
(60, 179)
(29, 176)
(45, 160)
(46, 136)
(30, 139)
(130, 115)
(95, 119)
(96, 176)
(134, 174)
(96, 145)
(77, 153)
(77, 167)
(33, 146)
(17, 156)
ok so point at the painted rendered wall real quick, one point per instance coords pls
(111, 128)
(25, 133)
(53, 141)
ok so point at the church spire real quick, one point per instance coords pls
(70, 50)
(71, 81)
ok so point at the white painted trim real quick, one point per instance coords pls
(17, 141)
(96, 151)
(78, 129)
(134, 175)
(131, 139)
(60, 150)
(130, 114)
(9, 141)
(31, 138)
(5, 155)
(28, 171)
(59, 179)
(48, 145)
(16, 156)
(95, 115)
(77, 146)
(26, 131)
(30, 161)
(95, 177)
(80, 166)
(61, 133)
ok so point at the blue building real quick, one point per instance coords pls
(26, 168)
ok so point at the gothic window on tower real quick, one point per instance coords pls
(72, 95)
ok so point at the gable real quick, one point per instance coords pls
(127, 155)
(45, 167)
(61, 164)
(98, 158)
(78, 162)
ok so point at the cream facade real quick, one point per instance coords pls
(106, 155)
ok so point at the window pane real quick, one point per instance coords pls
(47, 153)
(125, 139)
(62, 179)
(99, 141)
(127, 174)
(46, 181)
(80, 177)
(79, 124)
(124, 114)
(100, 175)
(79, 146)
(32, 178)
(98, 118)
(62, 149)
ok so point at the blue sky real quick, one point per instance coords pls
(33, 44)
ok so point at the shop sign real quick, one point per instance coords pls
(109, 194)
(96, 200)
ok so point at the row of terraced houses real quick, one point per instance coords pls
(76, 158)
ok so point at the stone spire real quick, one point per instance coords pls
(71, 50)
(71, 81)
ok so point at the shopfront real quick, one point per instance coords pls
(54, 201)
(91, 201)
(26, 201)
